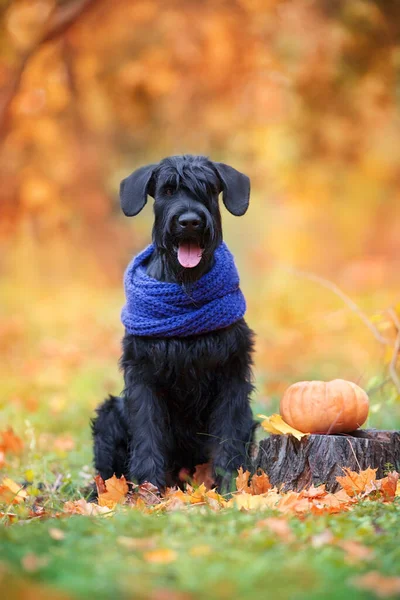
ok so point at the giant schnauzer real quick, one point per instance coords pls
(187, 351)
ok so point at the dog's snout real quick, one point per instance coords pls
(190, 221)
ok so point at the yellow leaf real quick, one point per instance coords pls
(162, 556)
(276, 425)
(11, 492)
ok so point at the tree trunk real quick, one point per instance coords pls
(315, 459)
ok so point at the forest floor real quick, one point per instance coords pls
(53, 375)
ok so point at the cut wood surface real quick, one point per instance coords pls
(315, 459)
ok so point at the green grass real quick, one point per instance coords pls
(243, 561)
(48, 393)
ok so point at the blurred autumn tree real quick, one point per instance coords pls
(303, 95)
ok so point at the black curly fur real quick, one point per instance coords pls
(186, 400)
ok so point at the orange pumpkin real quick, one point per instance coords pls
(336, 406)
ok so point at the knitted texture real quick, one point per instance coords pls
(157, 308)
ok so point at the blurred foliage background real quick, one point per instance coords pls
(301, 95)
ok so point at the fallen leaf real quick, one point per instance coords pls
(355, 551)
(242, 480)
(10, 442)
(11, 492)
(279, 526)
(251, 502)
(115, 492)
(161, 556)
(382, 586)
(277, 426)
(32, 563)
(56, 534)
(81, 507)
(8, 516)
(315, 492)
(149, 493)
(355, 483)
(260, 483)
(385, 487)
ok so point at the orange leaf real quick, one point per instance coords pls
(260, 483)
(116, 491)
(355, 483)
(388, 486)
(162, 556)
(11, 492)
(242, 480)
(10, 442)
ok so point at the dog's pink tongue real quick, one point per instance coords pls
(189, 254)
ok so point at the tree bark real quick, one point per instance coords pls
(295, 465)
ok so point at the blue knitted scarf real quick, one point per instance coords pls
(157, 308)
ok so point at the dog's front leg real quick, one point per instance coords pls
(231, 430)
(148, 439)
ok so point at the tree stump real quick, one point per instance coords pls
(296, 464)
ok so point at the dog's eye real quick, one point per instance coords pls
(169, 191)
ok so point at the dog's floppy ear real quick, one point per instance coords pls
(134, 189)
(235, 189)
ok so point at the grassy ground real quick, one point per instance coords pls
(60, 360)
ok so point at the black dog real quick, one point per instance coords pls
(186, 399)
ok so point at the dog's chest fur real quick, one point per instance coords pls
(189, 372)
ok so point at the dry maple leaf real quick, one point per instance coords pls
(314, 492)
(260, 483)
(355, 483)
(149, 493)
(112, 491)
(10, 442)
(81, 507)
(384, 488)
(383, 586)
(11, 492)
(242, 480)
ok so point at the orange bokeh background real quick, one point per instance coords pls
(303, 97)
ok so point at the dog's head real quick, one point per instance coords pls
(187, 226)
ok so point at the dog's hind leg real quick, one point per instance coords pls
(110, 439)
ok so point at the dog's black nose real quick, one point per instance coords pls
(190, 221)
